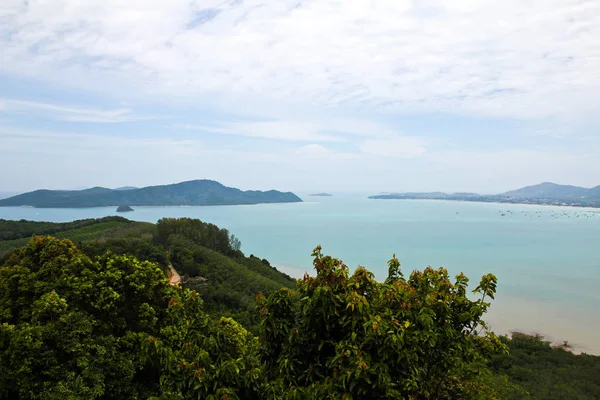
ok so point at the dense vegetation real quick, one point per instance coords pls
(547, 372)
(10, 230)
(208, 257)
(352, 337)
(73, 328)
(98, 319)
(14, 234)
(191, 193)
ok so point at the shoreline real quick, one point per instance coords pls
(144, 208)
(511, 313)
(294, 272)
(556, 325)
(587, 208)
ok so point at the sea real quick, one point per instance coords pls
(546, 258)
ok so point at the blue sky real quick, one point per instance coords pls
(321, 95)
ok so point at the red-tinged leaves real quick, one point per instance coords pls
(406, 337)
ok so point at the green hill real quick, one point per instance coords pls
(14, 234)
(190, 193)
(548, 190)
(207, 257)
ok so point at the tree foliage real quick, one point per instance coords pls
(226, 279)
(350, 336)
(68, 323)
(546, 372)
(72, 327)
(198, 232)
(10, 230)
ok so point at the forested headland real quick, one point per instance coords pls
(87, 312)
(545, 193)
(200, 192)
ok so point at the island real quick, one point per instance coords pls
(124, 209)
(546, 193)
(321, 194)
(190, 193)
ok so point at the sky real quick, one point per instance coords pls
(347, 96)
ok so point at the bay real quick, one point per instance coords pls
(546, 258)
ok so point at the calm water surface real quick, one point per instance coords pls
(547, 259)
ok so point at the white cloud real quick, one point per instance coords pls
(518, 59)
(69, 113)
(314, 150)
(402, 147)
(283, 130)
(323, 77)
(310, 129)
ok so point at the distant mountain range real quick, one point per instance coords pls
(550, 190)
(543, 193)
(190, 193)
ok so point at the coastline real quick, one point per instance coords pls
(586, 208)
(510, 313)
(556, 324)
(294, 272)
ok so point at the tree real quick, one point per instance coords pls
(76, 328)
(198, 232)
(352, 337)
(235, 243)
(68, 324)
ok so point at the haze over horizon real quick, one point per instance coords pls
(478, 96)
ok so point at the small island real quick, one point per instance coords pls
(124, 209)
(321, 194)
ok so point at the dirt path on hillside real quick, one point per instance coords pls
(174, 278)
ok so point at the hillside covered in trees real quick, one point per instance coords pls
(88, 313)
(208, 257)
(191, 193)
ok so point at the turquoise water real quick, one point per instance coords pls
(547, 259)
